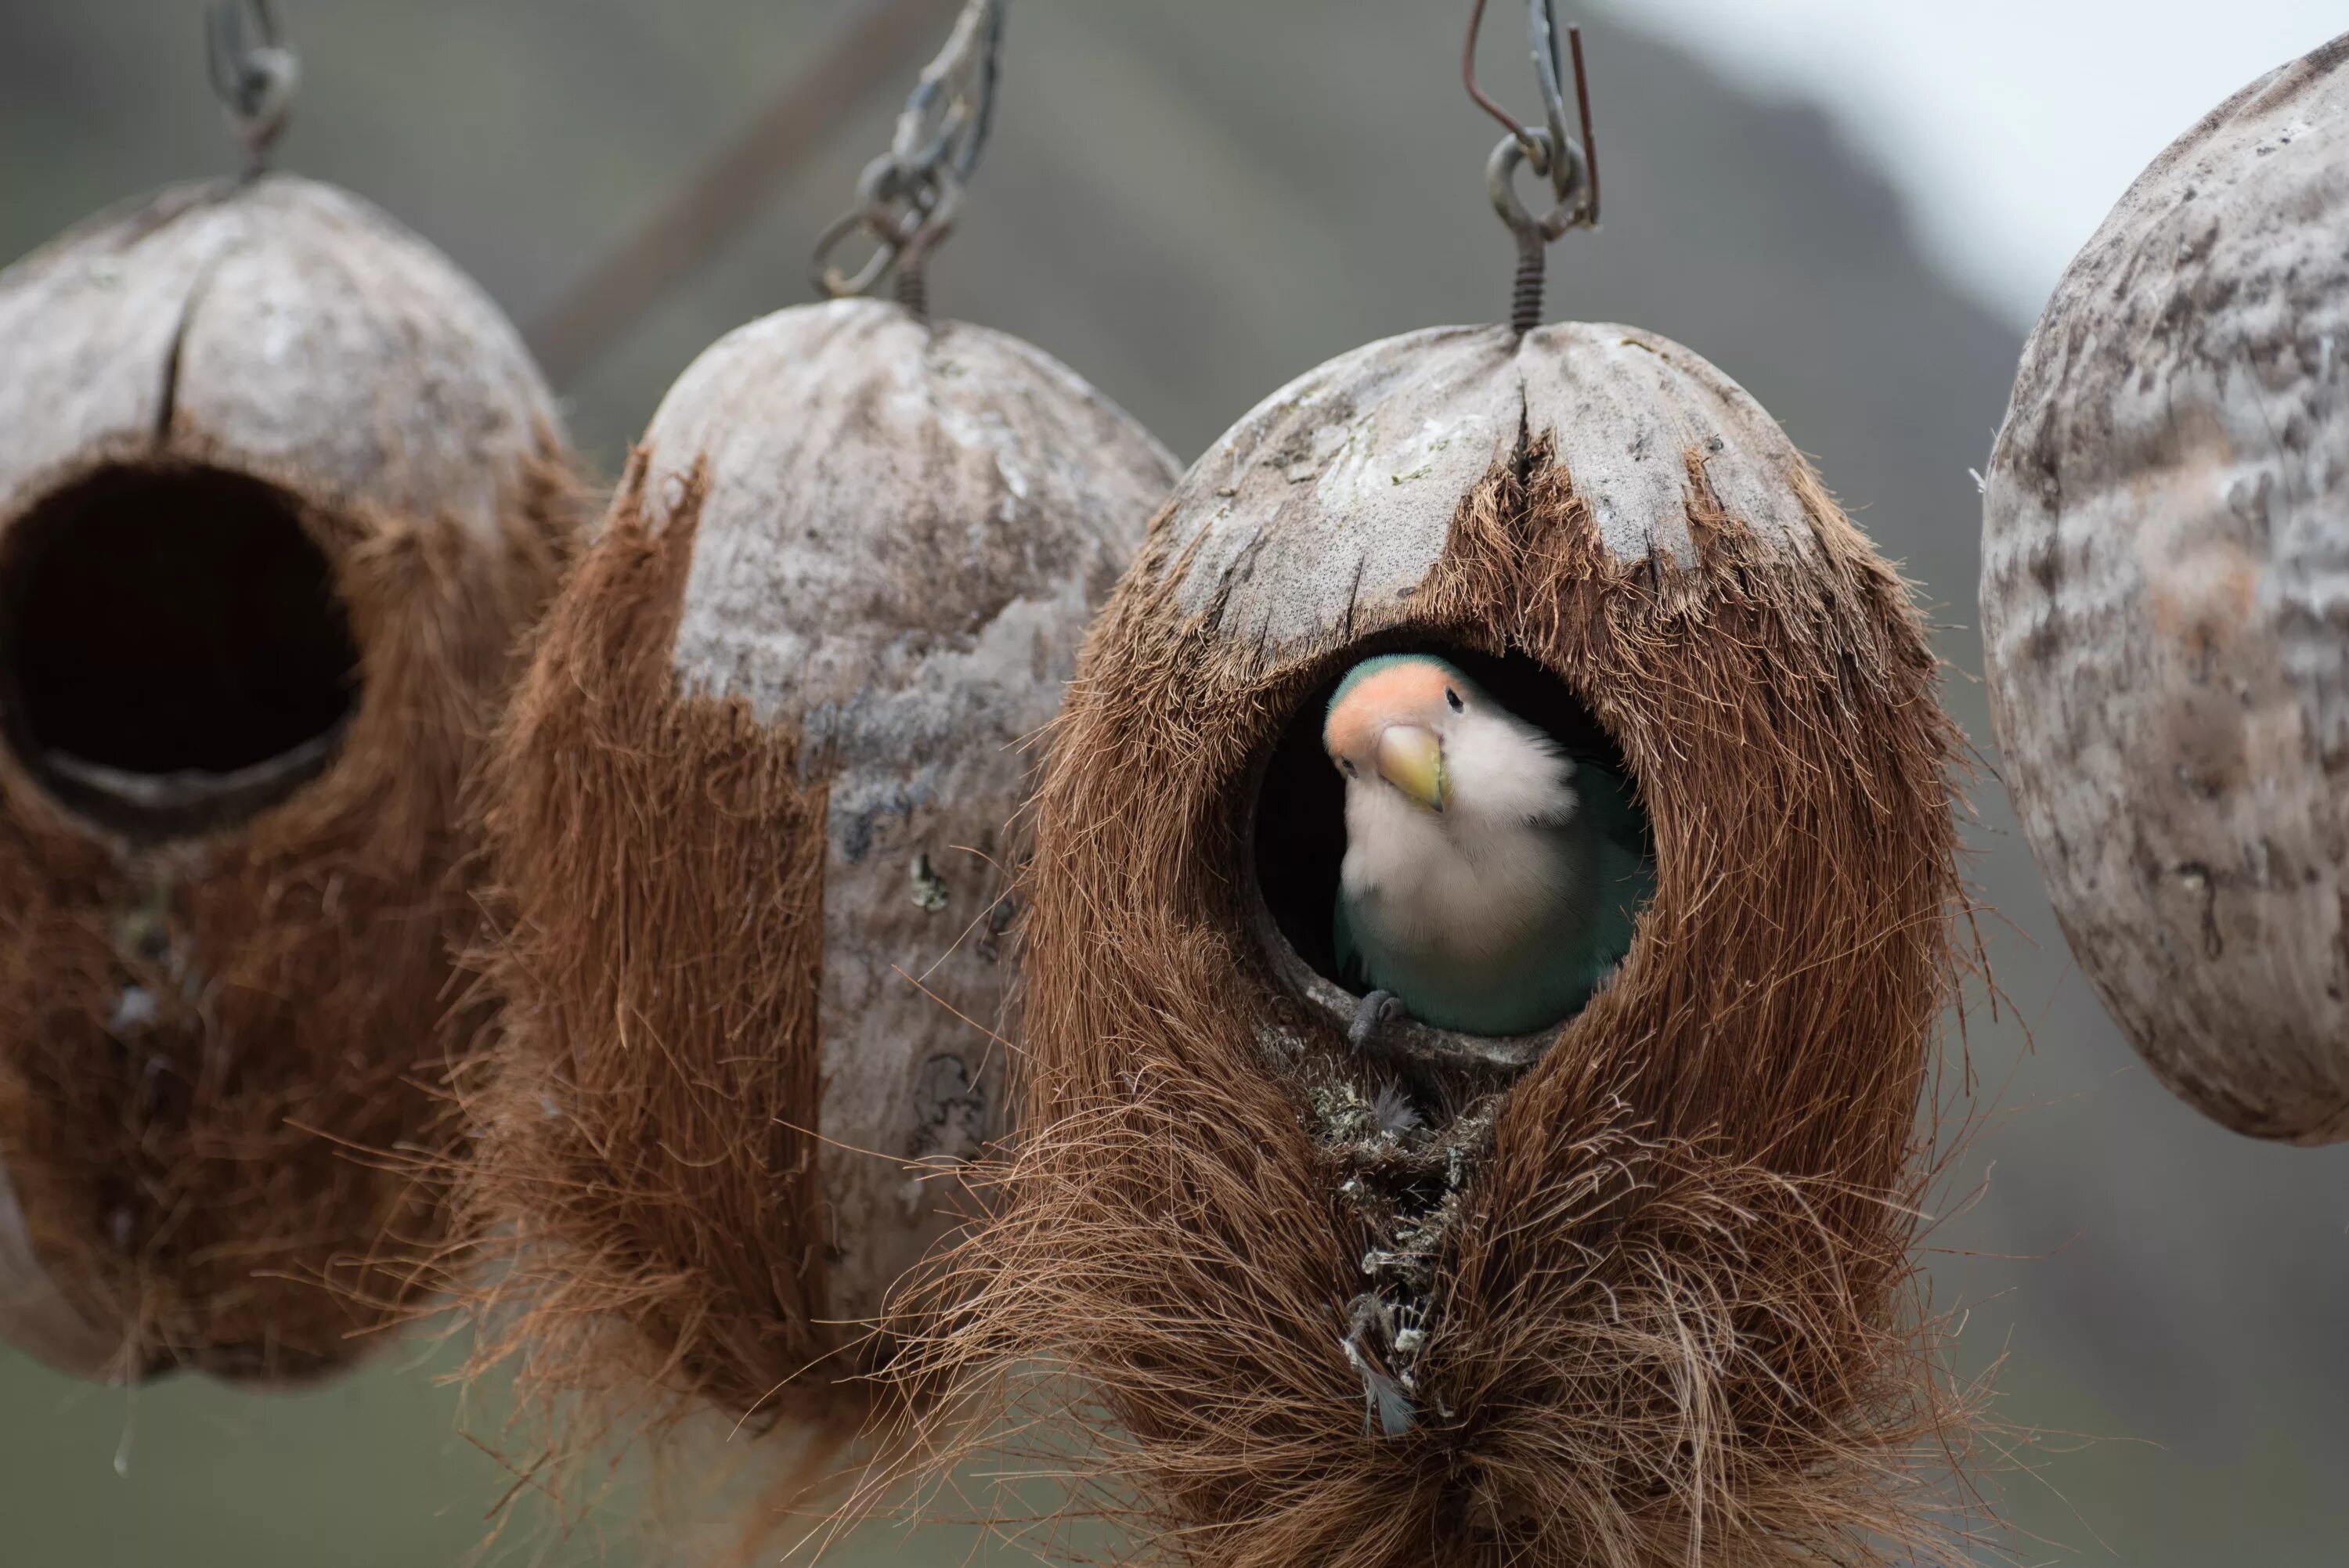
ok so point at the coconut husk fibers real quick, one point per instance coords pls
(748, 821)
(2162, 532)
(662, 1239)
(230, 1182)
(1662, 1282)
(216, 1184)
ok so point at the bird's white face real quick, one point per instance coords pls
(1414, 736)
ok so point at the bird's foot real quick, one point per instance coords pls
(1374, 1009)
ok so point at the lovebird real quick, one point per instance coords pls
(1491, 880)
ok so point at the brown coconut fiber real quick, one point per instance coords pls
(615, 1178)
(1669, 1310)
(747, 817)
(242, 1183)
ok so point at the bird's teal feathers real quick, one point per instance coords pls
(1350, 958)
(1627, 866)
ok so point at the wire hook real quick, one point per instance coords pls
(909, 197)
(1570, 165)
(253, 74)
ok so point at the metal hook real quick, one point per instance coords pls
(1570, 165)
(253, 73)
(952, 107)
(909, 197)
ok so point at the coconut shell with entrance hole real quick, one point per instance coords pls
(1634, 1291)
(2166, 526)
(751, 815)
(280, 488)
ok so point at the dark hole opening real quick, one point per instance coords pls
(174, 655)
(1299, 829)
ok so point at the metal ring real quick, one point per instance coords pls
(1554, 154)
(1501, 185)
(830, 280)
(909, 197)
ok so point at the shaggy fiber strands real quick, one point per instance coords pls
(1648, 1301)
(749, 816)
(281, 488)
(2165, 529)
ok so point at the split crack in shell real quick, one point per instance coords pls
(2164, 539)
(281, 486)
(1652, 1297)
(752, 820)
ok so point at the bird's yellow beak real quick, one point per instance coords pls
(1412, 760)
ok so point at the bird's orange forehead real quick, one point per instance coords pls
(1407, 692)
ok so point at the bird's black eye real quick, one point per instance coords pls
(1453, 699)
(1348, 767)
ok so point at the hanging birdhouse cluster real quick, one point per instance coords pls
(1471, 924)
(2162, 537)
(280, 489)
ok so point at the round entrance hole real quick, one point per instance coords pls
(174, 655)
(1297, 832)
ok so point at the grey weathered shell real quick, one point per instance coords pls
(275, 328)
(904, 533)
(1359, 465)
(2166, 530)
(283, 328)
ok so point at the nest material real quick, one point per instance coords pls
(1648, 1302)
(221, 1039)
(2162, 532)
(748, 820)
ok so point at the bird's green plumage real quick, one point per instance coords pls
(1576, 949)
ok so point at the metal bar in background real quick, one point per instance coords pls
(688, 230)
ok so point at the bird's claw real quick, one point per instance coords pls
(1376, 1008)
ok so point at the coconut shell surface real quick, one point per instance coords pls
(224, 983)
(1644, 1290)
(2165, 526)
(751, 814)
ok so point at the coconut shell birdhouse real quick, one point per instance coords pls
(2164, 525)
(1626, 1279)
(1630, 1287)
(1282, 1278)
(280, 489)
(752, 815)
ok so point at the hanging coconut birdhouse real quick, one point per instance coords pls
(1491, 904)
(752, 814)
(280, 488)
(2164, 525)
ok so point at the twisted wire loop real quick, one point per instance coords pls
(908, 198)
(1549, 149)
(253, 74)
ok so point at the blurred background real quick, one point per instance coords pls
(1854, 208)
